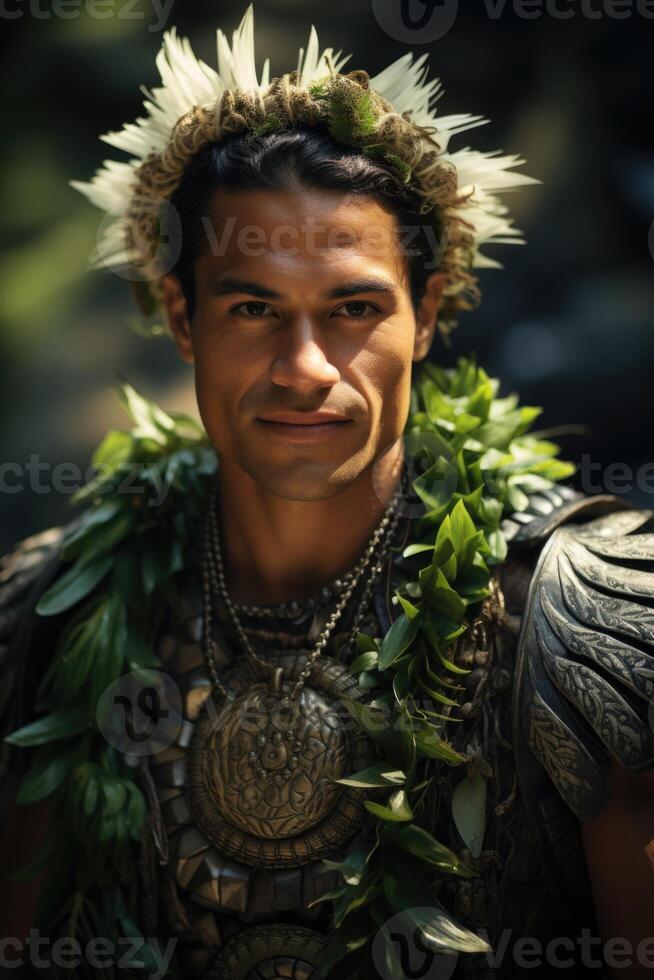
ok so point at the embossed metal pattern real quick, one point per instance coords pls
(260, 775)
(586, 650)
(201, 878)
(549, 509)
(269, 952)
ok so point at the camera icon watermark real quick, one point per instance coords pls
(141, 713)
(399, 952)
(416, 21)
(426, 21)
(151, 240)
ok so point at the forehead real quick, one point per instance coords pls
(302, 231)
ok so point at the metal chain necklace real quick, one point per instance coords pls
(214, 580)
(294, 607)
(265, 753)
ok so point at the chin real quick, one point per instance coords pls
(305, 481)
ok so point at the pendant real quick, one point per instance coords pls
(261, 768)
(277, 952)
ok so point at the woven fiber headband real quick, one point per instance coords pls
(390, 116)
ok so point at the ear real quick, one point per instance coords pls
(177, 314)
(427, 316)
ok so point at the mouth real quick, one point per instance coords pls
(313, 429)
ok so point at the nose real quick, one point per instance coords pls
(301, 361)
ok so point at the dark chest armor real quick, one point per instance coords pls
(250, 808)
(247, 794)
(562, 680)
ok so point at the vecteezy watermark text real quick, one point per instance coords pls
(42, 477)
(616, 477)
(412, 959)
(156, 244)
(95, 9)
(99, 952)
(426, 21)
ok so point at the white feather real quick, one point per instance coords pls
(186, 81)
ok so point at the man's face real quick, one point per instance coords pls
(302, 311)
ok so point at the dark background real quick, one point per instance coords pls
(568, 323)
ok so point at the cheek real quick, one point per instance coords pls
(386, 382)
(221, 377)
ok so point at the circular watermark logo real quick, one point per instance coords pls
(141, 712)
(415, 21)
(399, 951)
(151, 241)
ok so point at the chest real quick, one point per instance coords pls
(250, 802)
(247, 789)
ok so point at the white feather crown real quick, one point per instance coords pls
(392, 113)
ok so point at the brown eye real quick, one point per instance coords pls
(359, 307)
(255, 313)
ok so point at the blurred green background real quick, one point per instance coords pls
(568, 323)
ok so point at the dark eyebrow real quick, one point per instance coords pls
(360, 286)
(226, 285)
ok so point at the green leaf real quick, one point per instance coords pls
(114, 450)
(352, 868)
(416, 549)
(354, 933)
(398, 807)
(410, 610)
(51, 728)
(151, 421)
(102, 538)
(95, 515)
(48, 771)
(91, 795)
(73, 585)
(377, 721)
(368, 679)
(408, 894)
(399, 637)
(436, 486)
(462, 526)
(420, 843)
(497, 545)
(115, 795)
(469, 811)
(366, 643)
(443, 598)
(434, 747)
(377, 775)
(367, 661)
(354, 898)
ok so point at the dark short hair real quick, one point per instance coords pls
(303, 157)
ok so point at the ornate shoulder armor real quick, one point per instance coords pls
(25, 639)
(549, 509)
(585, 671)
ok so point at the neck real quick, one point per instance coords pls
(275, 550)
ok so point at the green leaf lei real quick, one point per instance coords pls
(478, 463)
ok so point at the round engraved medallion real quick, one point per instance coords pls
(274, 952)
(261, 770)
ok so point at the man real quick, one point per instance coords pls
(453, 820)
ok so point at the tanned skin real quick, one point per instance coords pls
(619, 848)
(294, 515)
